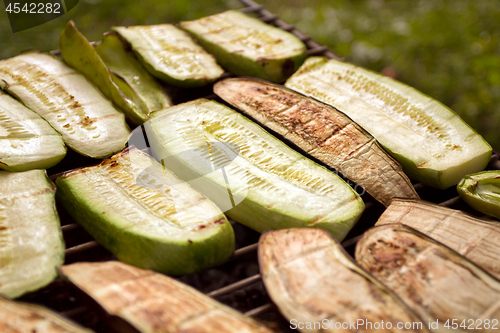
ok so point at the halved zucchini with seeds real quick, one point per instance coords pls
(260, 181)
(145, 215)
(116, 73)
(311, 279)
(26, 140)
(17, 317)
(171, 55)
(31, 242)
(88, 123)
(321, 131)
(430, 141)
(152, 302)
(247, 46)
(482, 191)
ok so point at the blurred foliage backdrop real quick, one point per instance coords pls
(449, 49)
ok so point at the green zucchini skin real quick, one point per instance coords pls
(152, 240)
(26, 140)
(171, 55)
(270, 185)
(431, 142)
(248, 47)
(31, 240)
(481, 191)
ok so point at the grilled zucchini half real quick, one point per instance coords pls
(247, 46)
(482, 192)
(432, 143)
(87, 122)
(26, 140)
(31, 242)
(171, 55)
(145, 215)
(115, 72)
(261, 182)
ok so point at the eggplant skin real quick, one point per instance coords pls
(311, 279)
(153, 302)
(435, 281)
(481, 191)
(476, 239)
(321, 131)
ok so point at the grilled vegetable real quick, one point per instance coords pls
(88, 123)
(270, 186)
(311, 278)
(321, 131)
(26, 140)
(31, 243)
(482, 192)
(440, 285)
(247, 46)
(152, 302)
(476, 239)
(116, 73)
(16, 317)
(430, 141)
(146, 216)
(171, 55)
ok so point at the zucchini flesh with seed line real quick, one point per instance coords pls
(270, 185)
(248, 47)
(311, 278)
(436, 282)
(321, 131)
(482, 192)
(146, 216)
(171, 55)
(153, 302)
(31, 241)
(476, 239)
(26, 140)
(87, 122)
(430, 141)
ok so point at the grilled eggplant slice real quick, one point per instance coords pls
(430, 141)
(476, 239)
(26, 140)
(440, 285)
(146, 216)
(171, 55)
(88, 123)
(482, 192)
(311, 278)
(247, 46)
(270, 186)
(152, 302)
(31, 242)
(116, 73)
(17, 317)
(321, 131)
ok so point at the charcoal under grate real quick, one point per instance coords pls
(236, 283)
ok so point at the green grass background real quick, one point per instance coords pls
(448, 49)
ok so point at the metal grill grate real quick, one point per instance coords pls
(236, 283)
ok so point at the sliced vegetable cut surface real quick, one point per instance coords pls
(432, 143)
(153, 302)
(247, 46)
(171, 55)
(476, 239)
(321, 131)
(26, 140)
(87, 122)
(436, 282)
(311, 278)
(482, 191)
(31, 241)
(146, 216)
(260, 181)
